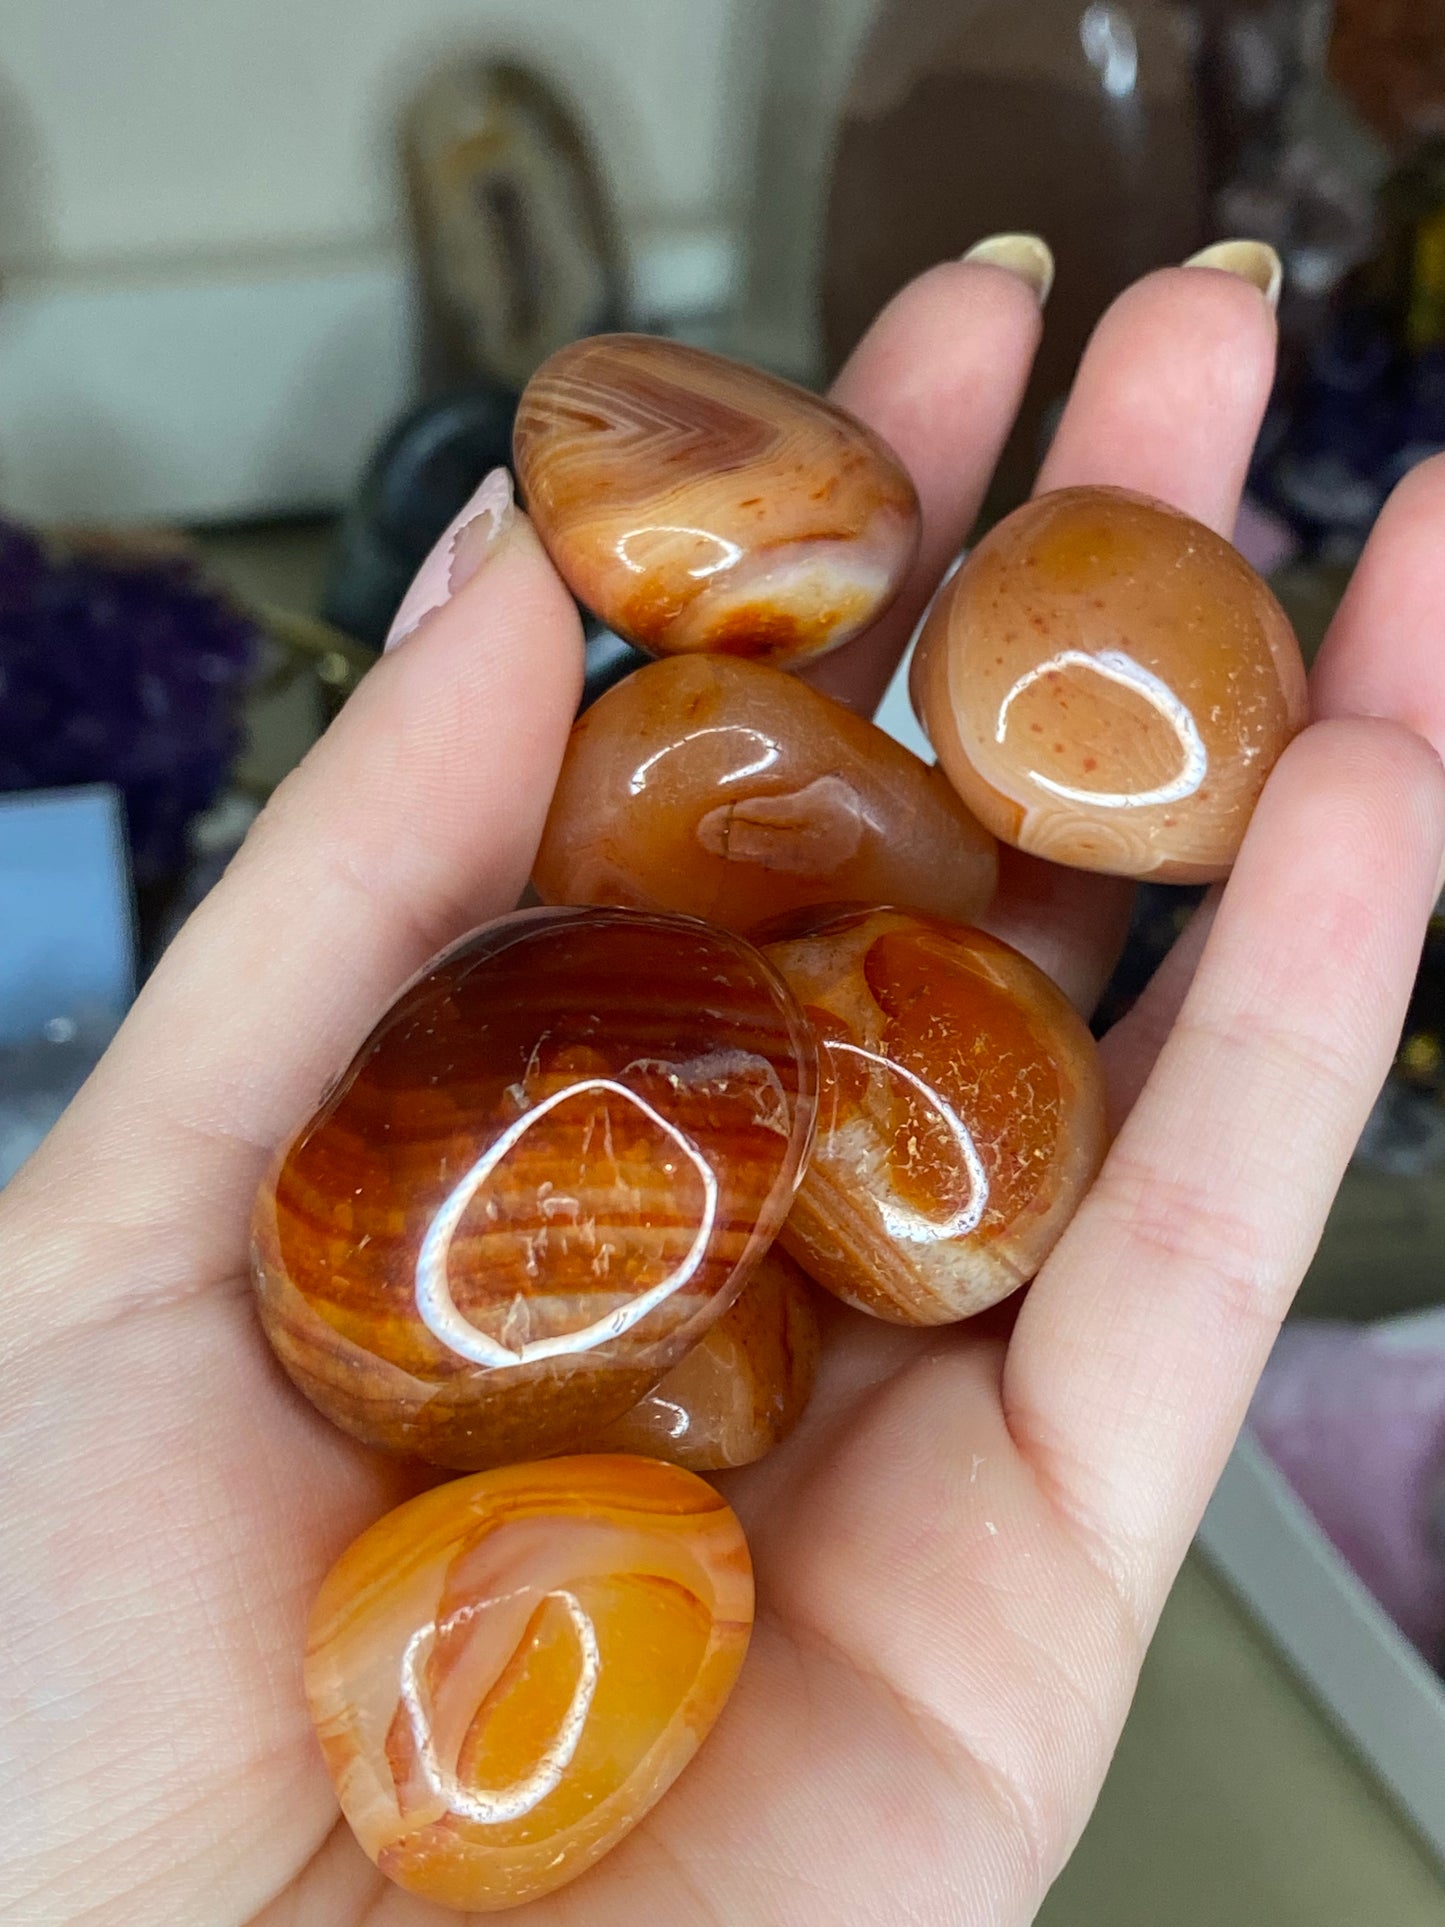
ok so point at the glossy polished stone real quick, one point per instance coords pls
(508, 1672)
(741, 1389)
(694, 503)
(1108, 684)
(960, 1114)
(735, 792)
(542, 1178)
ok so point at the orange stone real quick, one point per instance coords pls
(738, 793)
(1108, 684)
(546, 1173)
(693, 503)
(741, 1389)
(508, 1672)
(960, 1114)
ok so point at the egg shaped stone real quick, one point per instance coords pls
(734, 792)
(1108, 683)
(507, 1673)
(544, 1175)
(693, 503)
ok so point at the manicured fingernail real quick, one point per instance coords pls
(1025, 255)
(1253, 261)
(473, 537)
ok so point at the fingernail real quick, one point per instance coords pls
(473, 537)
(1026, 255)
(1253, 261)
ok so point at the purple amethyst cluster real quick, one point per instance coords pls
(121, 671)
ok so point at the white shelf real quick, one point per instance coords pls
(1372, 1683)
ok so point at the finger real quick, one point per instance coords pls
(939, 376)
(1068, 922)
(415, 817)
(1168, 401)
(1383, 653)
(1170, 394)
(1129, 1052)
(1140, 1341)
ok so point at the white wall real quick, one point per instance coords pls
(171, 127)
(204, 289)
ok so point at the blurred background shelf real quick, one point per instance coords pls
(1233, 1801)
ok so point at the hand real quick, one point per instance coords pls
(962, 1553)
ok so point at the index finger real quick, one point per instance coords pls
(939, 376)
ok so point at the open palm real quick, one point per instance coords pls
(962, 1553)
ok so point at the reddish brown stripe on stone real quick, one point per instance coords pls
(695, 504)
(597, 1201)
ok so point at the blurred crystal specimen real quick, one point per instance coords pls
(122, 666)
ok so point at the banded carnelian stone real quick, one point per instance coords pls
(694, 503)
(741, 1389)
(545, 1174)
(960, 1114)
(1108, 684)
(508, 1672)
(737, 793)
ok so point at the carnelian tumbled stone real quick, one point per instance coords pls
(1108, 683)
(508, 1672)
(960, 1114)
(741, 1389)
(543, 1177)
(737, 793)
(694, 503)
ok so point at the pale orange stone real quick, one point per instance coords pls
(1108, 684)
(742, 1389)
(960, 1114)
(507, 1673)
(734, 792)
(695, 503)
